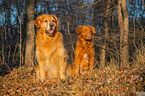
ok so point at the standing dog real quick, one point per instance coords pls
(50, 50)
(84, 54)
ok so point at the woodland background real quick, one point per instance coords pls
(119, 39)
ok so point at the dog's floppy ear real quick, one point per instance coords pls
(93, 29)
(78, 29)
(38, 21)
(57, 21)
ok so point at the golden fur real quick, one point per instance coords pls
(50, 50)
(84, 53)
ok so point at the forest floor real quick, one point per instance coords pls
(112, 80)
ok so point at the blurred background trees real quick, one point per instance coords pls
(120, 28)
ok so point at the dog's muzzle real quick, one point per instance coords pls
(50, 30)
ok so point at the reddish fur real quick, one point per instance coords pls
(84, 54)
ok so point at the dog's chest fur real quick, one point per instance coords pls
(84, 47)
(44, 43)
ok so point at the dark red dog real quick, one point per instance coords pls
(84, 54)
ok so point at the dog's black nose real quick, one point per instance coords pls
(51, 26)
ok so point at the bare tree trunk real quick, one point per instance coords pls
(120, 21)
(126, 31)
(123, 21)
(29, 54)
(104, 46)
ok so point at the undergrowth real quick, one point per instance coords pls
(111, 80)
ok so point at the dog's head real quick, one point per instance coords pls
(48, 23)
(86, 32)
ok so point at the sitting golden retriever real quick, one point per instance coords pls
(84, 53)
(50, 51)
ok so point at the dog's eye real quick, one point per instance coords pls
(45, 20)
(53, 20)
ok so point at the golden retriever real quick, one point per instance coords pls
(50, 51)
(84, 53)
